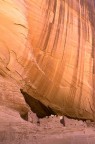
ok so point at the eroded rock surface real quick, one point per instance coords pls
(47, 47)
(10, 97)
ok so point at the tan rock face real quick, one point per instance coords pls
(47, 46)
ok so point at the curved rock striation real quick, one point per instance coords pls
(47, 48)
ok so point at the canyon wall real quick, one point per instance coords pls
(47, 49)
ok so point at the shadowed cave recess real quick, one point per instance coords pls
(40, 109)
(36, 107)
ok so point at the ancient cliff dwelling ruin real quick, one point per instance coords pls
(47, 71)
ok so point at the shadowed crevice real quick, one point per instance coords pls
(37, 107)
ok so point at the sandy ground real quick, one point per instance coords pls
(15, 130)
